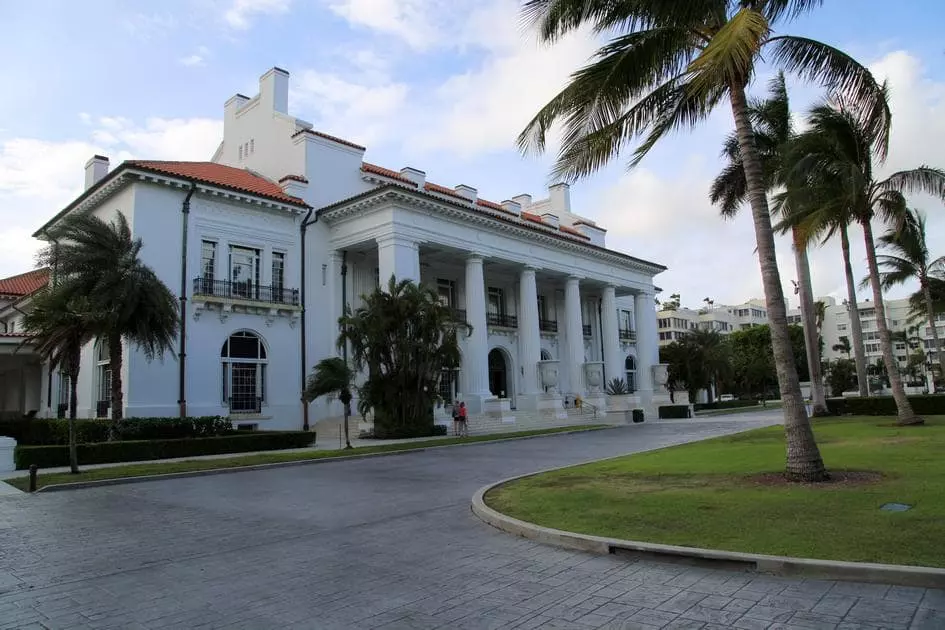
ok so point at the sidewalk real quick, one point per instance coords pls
(328, 445)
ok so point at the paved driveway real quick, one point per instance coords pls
(387, 542)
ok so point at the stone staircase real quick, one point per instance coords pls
(517, 420)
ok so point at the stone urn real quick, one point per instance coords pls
(660, 376)
(594, 376)
(548, 373)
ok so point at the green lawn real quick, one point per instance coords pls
(701, 495)
(163, 468)
(772, 404)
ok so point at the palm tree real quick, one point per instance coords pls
(57, 326)
(101, 260)
(772, 127)
(843, 346)
(833, 176)
(668, 65)
(332, 377)
(911, 260)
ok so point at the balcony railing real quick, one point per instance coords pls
(548, 325)
(246, 291)
(587, 330)
(245, 404)
(501, 319)
(628, 335)
(459, 314)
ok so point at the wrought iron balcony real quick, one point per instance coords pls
(628, 335)
(548, 325)
(246, 291)
(501, 319)
(245, 403)
(587, 330)
(459, 314)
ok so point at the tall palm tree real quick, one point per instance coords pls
(57, 326)
(668, 65)
(773, 129)
(833, 175)
(332, 377)
(843, 346)
(911, 260)
(101, 260)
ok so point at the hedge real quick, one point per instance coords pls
(674, 411)
(729, 404)
(49, 431)
(930, 405)
(142, 450)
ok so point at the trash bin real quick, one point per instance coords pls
(7, 444)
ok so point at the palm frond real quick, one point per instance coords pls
(728, 58)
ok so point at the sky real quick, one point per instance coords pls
(441, 85)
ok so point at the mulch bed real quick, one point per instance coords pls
(837, 478)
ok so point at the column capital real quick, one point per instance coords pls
(574, 279)
(528, 269)
(473, 257)
(397, 239)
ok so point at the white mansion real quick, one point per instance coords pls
(265, 242)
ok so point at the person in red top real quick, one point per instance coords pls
(463, 426)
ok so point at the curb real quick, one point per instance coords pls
(900, 575)
(79, 485)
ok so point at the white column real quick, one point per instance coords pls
(529, 338)
(613, 364)
(647, 346)
(397, 256)
(333, 282)
(475, 368)
(574, 334)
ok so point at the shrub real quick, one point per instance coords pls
(674, 411)
(885, 405)
(142, 450)
(730, 404)
(638, 416)
(48, 431)
(617, 387)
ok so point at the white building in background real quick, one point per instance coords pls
(285, 220)
(675, 323)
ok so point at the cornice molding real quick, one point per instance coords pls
(480, 216)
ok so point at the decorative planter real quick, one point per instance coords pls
(548, 372)
(594, 376)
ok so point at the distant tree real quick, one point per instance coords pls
(841, 376)
(843, 346)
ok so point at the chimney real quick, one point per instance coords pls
(415, 175)
(560, 195)
(294, 185)
(512, 207)
(523, 201)
(550, 219)
(95, 169)
(274, 90)
(467, 192)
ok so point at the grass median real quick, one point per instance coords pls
(726, 493)
(275, 457)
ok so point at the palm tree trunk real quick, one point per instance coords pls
(856, 329)
(903, 408)
(818, 397)
(347, 407)
(74, 361)
(114, 364)
(927, 293)
(804, 461)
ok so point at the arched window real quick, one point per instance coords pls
(244, 372)
(630, 371)
(103, 379)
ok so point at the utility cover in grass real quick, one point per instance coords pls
(895, 507)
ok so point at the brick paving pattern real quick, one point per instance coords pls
(384, 543)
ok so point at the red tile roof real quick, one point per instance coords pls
(367, 167)
(490, 204)
(347, 143)
(528, 216)
(214, 174)
(572, 231)
(443, 190)
(25, 283)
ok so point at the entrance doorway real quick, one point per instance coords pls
(499, 370)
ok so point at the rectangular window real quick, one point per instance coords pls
(377, 277)
(244, 272)
(626, 323)
(542, 313)
(446, 291)
(278, 276)
(324, 275)
(208, 266)
(496, 304)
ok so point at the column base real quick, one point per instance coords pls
(527, 402)
(552, 403)
(475, 403)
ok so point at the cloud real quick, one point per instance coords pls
(411, 21)
(240, 12)
(39, 177)
(661, 210)
(198, 58)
